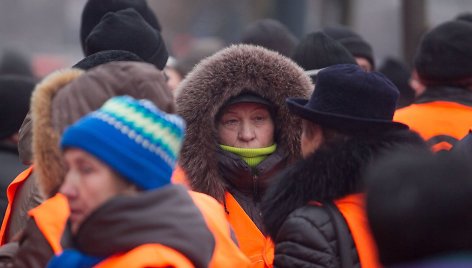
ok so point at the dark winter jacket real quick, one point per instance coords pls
(10, 166)
(124, 223)
(303, 234)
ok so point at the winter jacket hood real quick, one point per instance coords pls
(335, 170)
(65, 96)
(215, 80)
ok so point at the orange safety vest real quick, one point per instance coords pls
(353, 209)
(253, 243)
(148, 255)
(179, 177)
(440, 122)
(51, 218)
(11, 193)
(226, 253)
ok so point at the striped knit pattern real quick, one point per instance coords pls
(156, 131)
(133, 137)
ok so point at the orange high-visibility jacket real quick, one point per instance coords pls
(226, 253)
(253, 243)
(147, 255)
(353, 210)
(11, 193)
(439, 122)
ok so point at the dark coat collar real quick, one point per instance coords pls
(165, 216)
(452, 94)
(333, 171)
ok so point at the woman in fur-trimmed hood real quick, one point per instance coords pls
(239, 75)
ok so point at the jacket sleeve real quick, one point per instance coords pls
(306, 240)
(34, 250)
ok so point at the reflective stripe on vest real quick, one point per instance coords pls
(51, 218)
(438, 118)
(226, 253)
(253, 243)
(11, 193)
(353, 210)
(148, 255)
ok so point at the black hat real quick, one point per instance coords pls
(352, 41)
(418, 206)
(248, 97)
(127, 30)
(317, 51)
(466, 16)
(270, 34)
(94, 10)
(444, 56)
(399, 74)
(15, 94)
(14, 62)
(106, 56)
(348, 99)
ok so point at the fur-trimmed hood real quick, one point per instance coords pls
(333, 171)
(65, 96)
(228, 73)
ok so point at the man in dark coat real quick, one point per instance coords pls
(346, 123)
(15, 93)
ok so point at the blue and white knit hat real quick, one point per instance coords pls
(133, 137)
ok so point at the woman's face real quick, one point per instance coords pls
(246, 125)
(88, 184)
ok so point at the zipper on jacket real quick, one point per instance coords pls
(255, 191)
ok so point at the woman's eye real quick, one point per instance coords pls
(230, 122)
(86, 169)
(259, 118)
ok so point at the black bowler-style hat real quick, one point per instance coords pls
(348, 99)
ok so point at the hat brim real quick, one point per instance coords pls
(340, 122)
(248, 98)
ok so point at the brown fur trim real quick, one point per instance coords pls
(214, 81)
(46, 153)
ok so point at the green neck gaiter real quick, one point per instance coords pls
(252, 156)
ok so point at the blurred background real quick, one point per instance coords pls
(47, 31)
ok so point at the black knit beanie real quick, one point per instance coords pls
(270, 34)
(418, 206)
(127, 30)
(94, 10)
(105, 56)
(14, 62)
(15, 94)
(352, 41)
(466, 16)
(444, 56)
(399, 74)
(317, 51)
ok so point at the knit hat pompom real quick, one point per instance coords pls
(133, 137)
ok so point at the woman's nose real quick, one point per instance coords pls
(68, 188)
(246, 133)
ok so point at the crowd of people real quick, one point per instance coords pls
(273, 152)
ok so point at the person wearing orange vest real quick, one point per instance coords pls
(346, 123)
(123, 209)
(73, 86)
(442, 114)
(240, 134)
